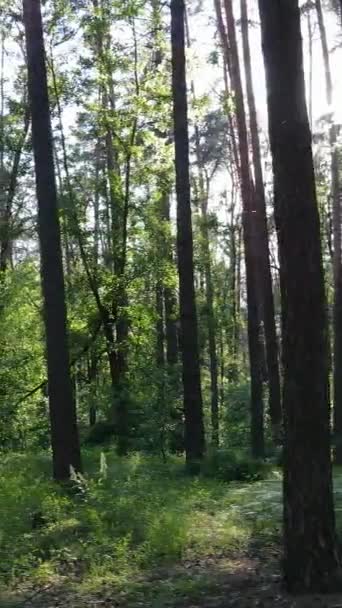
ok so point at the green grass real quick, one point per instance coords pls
(132, 521)
(130, 516)
(133, 526)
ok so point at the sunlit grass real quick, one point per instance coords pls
(130, 517)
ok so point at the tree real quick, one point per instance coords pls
(64, 433)
(262, 246)
(194, 428)
(310, 560)
(337, 250)
(248, 203)
(204, 181)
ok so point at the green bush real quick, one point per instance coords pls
(227, 465)
(101, 433)
(235, 423)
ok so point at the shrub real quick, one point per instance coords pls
(228, 465)
(101, 433)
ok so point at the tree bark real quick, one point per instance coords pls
(64, 434)
(203, 191)
(170, 300)
(193, 409)
(325, 52)
(262, 246)
(2, 100)
(310, 40)
(249, 209)
(337, 315)
(210, 317)
(337, 260)
(209, 296)
(310, 560)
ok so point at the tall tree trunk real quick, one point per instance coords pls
(325, 51)
(249, 209)
(2, 101)
(232, 328)
(97, 206)
(222, 369)
(337, 261)
(92, 374)
(227, 70)
(210, 316)
(193, 409)
(309, 523)
(262, 246)
(337, 316)
(204, 186)
(160, 350)
(310, 40)
(209, 297)
(160, 361)
(64, 434)
(170, 300)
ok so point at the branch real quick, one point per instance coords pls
(72, 363)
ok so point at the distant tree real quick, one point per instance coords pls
(264, 278)
(248, 221)
(336, 224)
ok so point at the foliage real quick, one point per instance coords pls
(131, 515)
(228, 465)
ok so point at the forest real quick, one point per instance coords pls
(170, 303)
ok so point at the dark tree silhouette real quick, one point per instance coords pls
(261, 245)
(64, 434)
(310, 561)
(193, 411)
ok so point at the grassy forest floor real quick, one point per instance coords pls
(140, 533)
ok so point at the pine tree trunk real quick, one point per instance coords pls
(325, 51)
(193, 410)
(209, 295)
(262, 246)
(64, 434)
(233, 295)
(170, 300)
(310, 40)
(337, 261)
(211, 323)
(2, 101)
(160, 353)
(248, 202)
(310, 559)
(337, 318)
(97, 207)
(92, 373)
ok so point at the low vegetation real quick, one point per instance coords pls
(126, 517)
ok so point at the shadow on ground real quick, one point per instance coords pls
(216, 581)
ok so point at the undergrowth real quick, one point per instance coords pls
(128, 517)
